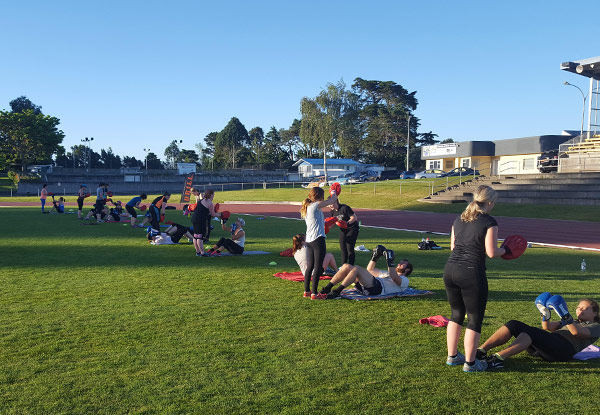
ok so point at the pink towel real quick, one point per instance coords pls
(435, 321)
(295, 276)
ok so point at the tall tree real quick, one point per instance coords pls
(27, 137)
(132, 162)
(274, 153)
(23, 103)
(290, 139)
(154, 162)
(109, 159)
(172, 153)
(229, 144)
(188, 156)
(257, 137)
(208, 152)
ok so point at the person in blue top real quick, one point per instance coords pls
(474, 235)
(132, 204)
(315, 238)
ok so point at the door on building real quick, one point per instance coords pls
(494, 171)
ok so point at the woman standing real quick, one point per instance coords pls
(204, 211)
(349, 228)
(44, 196)
(474, 235)
(315, 238)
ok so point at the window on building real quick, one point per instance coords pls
(449, 164)
(466, 162)
(435, 164)
(528, 164)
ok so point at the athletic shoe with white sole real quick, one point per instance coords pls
(494, 363)
(318, 296)
(459, 359)
(306, 294)
(478, 366)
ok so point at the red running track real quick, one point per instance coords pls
(561, 233)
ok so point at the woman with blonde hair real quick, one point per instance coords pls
(315, 238)
(474, 235)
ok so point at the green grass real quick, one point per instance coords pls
(95, 320)
(393, 194)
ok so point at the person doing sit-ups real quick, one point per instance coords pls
(371, 280)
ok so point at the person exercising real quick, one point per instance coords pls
(371, 281)
(347, 221)
(235, 244)
(556, 341)
(132, 205)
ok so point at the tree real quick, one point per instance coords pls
(172, 152)
(257, 137)
(273, 151)
(153, 162)
(426, 139)
(188, 156)
(22, 104)
(27, 137)
(229, 144)
(208, 152)
(109, 160)
(290, 139)
(447, 141)
(132, 162)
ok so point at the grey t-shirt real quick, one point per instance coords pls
(315, 222)
(580, 343)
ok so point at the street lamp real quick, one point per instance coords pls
(87, 157)
(173, 155)
(582, 110)
(407, 141)
(147, 150)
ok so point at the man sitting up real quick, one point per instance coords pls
(372, 281)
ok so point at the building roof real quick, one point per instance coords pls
(589, 67)
(333, 162)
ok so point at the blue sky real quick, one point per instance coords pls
(137, 75)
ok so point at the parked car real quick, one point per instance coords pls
(316, 182)
(429, 174)
(355, 177)
(389, 175)
(368, 177)
(408, 174)
(461, 171)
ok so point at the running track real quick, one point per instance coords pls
(560, 233)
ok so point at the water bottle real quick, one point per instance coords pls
(422, 239)
(583, 266)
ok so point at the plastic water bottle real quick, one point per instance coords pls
(422, 239)
(583, 266)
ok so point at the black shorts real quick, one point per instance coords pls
(131, 211)
(80, 203)
(552, 347)
(375, 289)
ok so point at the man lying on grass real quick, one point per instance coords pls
(556, 341)
(372, 281)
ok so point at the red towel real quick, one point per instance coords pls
(287, 252)
(295, 276)
(435, 321)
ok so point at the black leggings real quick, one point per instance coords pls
(230, 246)
(347, 242)
(80, 203)
(467, 291)
(315, 255)
(549, 346)
(155, 217)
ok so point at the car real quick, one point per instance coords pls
(316, 182)
(368, 177)
(548, 162)
(429, 174)
(388, 175)
(408, 174)
(461, 171)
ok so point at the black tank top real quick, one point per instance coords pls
(469, 240)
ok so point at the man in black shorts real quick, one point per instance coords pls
(372, 281)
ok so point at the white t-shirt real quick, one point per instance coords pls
(242, 240)
(388, 286)
(162, 239)
(301, 257)
(315, 222)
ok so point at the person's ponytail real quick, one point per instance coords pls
(481, 196)
(305, 205)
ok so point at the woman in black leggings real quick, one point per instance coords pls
(349, 228)
(474, 235)
(315, 239)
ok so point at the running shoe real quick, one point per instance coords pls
(318, 296)
(459, 359)
(481, 354)
(306, 294)
(494, 363)
(215, 253)
(333, 294)
(478, 366)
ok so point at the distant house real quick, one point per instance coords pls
(335, 167)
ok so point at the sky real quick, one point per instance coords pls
(137, 75)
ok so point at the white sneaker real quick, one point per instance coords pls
(478, 366)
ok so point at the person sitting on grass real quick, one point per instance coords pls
(300, 255)
(58, 206)
(556, 341)
(235, 244)
(372, 281)
(96, 212)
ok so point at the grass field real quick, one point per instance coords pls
(96, 321)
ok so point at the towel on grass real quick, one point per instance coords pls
(590, 352)
(435, 321)
(296, 276)
(246, 253)
(354, 294)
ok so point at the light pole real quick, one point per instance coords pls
(87, 156)
(582, 110)
(174, 155)
(147, 150)
(407, 141)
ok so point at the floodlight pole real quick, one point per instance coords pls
(582, 110)
(147, 150)
(87, 159)
(407, 141)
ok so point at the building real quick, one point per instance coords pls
(511, 156)
(308, 168)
